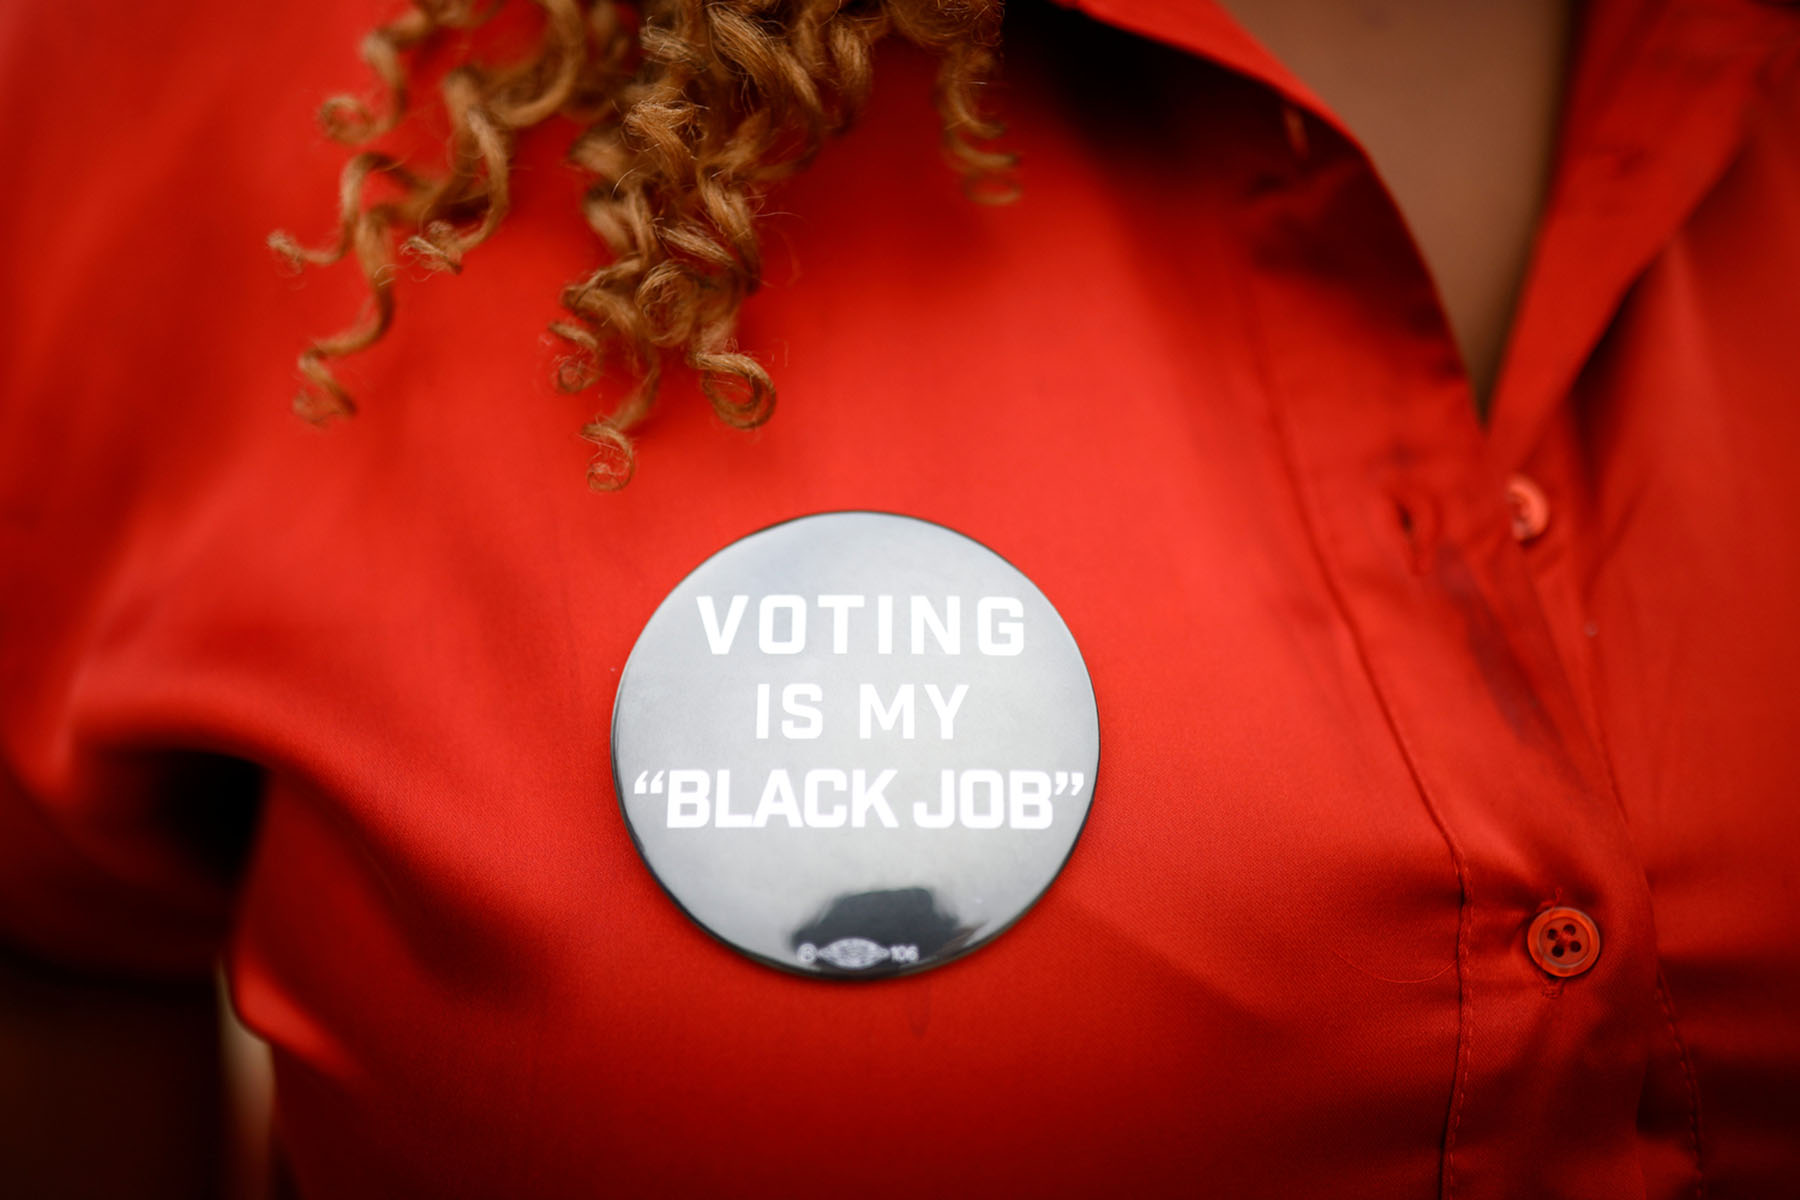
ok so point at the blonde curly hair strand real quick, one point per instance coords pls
(690, 111)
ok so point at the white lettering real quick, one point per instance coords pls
(777, 800)
(688, 803)
(765, 624)
(864, 799)
(1012, 639)
(973, 816)
(947, 631)
(829, 798)
(816, 780)
(719, 638)
(945, 816)
(839, 607)
(723, 817)
(794, 699)
(1030, 796)
(870, 711)
(946, 710)
(934, 623)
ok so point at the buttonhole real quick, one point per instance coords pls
(1417, 517)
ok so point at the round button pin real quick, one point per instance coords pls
(855, 744)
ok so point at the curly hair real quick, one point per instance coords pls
(689, 111)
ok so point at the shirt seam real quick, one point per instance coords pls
(1259, 351)
(1689, 1077)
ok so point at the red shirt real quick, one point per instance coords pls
(1196, 384)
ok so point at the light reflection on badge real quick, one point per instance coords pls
(855, 744)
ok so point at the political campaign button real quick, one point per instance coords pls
(855, 744)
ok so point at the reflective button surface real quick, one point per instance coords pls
(855, 744)
(1563, 941)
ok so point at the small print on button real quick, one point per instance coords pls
(1563, 942)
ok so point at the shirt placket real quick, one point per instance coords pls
(1413, 525)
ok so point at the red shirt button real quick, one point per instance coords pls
(1530, 509)
(1563, 941)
